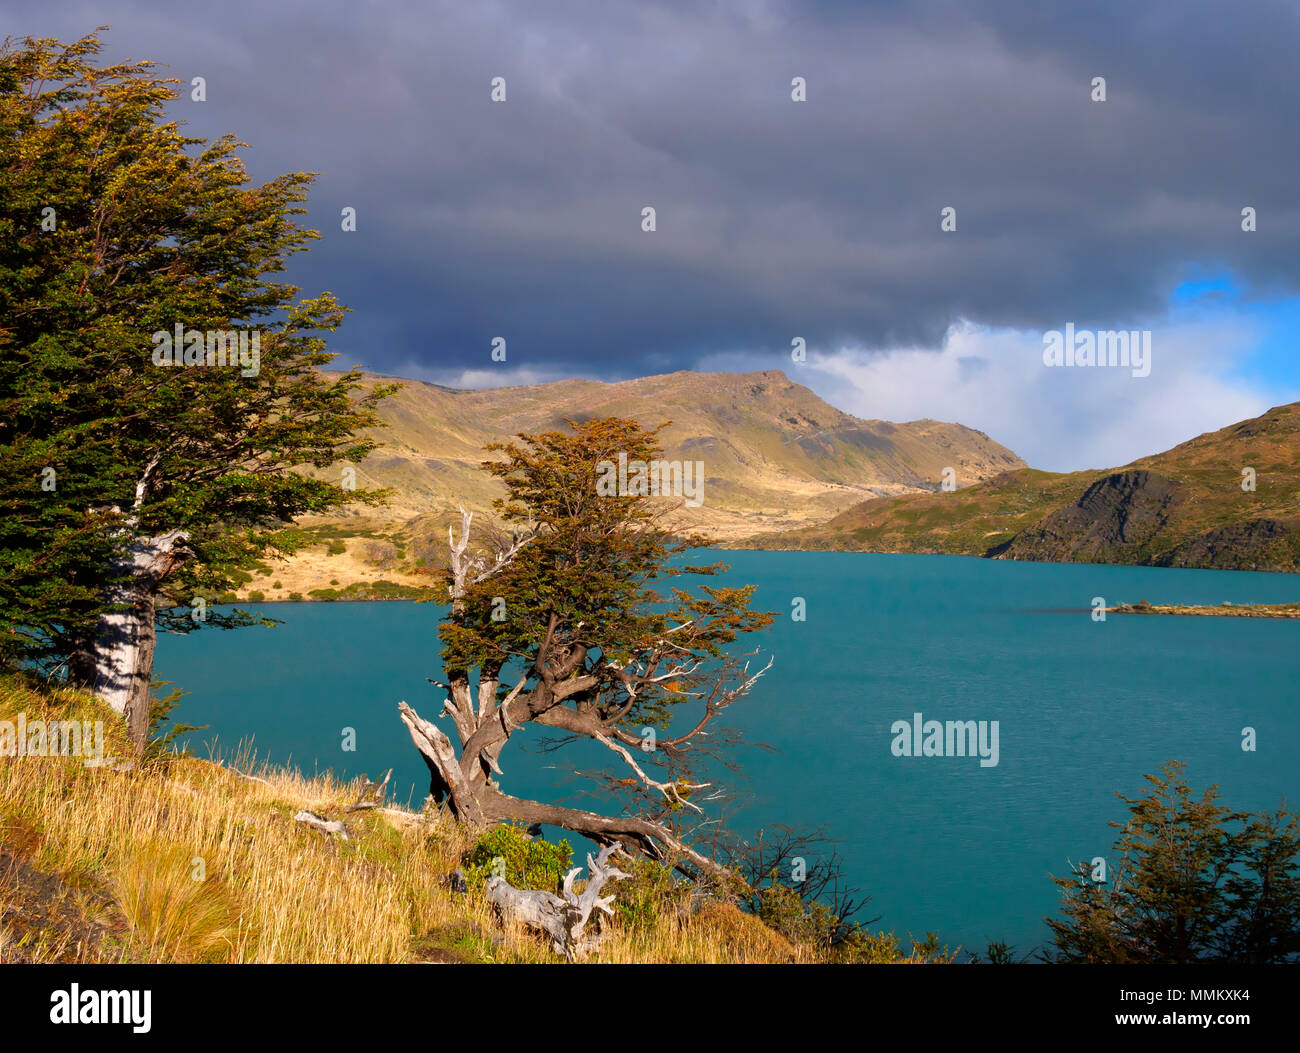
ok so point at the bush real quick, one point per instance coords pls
(257, 597)
(379, 553)
(861, 947)
(650, 891)
(783, 910)
(529, 862)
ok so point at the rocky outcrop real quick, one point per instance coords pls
(1121, 514)
(1260, 544)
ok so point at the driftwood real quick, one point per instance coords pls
(563, 918)
(325, 826)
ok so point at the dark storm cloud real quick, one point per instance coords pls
(775, 219)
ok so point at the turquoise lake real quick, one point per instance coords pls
(939, 843)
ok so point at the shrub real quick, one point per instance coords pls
(650, 891)
(861, 947)
(529, 862)
(783, 910)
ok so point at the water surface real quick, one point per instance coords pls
(940, 843)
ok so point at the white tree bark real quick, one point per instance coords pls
(122, 635)
(563, 918)
(118, 663)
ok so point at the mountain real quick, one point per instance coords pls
(774, 456)
(1182, 508)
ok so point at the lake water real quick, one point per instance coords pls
(940, 843)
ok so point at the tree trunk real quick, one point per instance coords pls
(642, 836)
(118, 666)
(478, 803)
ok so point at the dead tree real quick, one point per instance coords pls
(565, 917)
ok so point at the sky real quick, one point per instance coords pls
(778, 219)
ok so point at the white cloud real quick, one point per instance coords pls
(1059, 419)
(492, 377)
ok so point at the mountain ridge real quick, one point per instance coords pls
(1184, 507)
(775, 456)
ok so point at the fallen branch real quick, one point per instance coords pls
(325, 826)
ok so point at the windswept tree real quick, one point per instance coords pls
(561, 624)
(160, 389)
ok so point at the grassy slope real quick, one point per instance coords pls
(1023, 507)
(99, 866)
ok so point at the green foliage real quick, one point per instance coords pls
(586, 579)
(650, 891)
(797, 919)
(371, 590)
(1190, 880)
(160, 744)
(860, 947)
(528, 862)
(999, 953)
(151, 229)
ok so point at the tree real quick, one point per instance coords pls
(1191, 881)
(137, 488)
(566, 607)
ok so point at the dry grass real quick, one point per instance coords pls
(186, 861)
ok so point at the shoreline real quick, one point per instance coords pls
(1224, 610)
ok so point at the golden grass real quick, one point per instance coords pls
(186, 861)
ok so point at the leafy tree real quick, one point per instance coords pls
(131, 488)
(1263, 894)
(1192, 881)
(567, 607)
